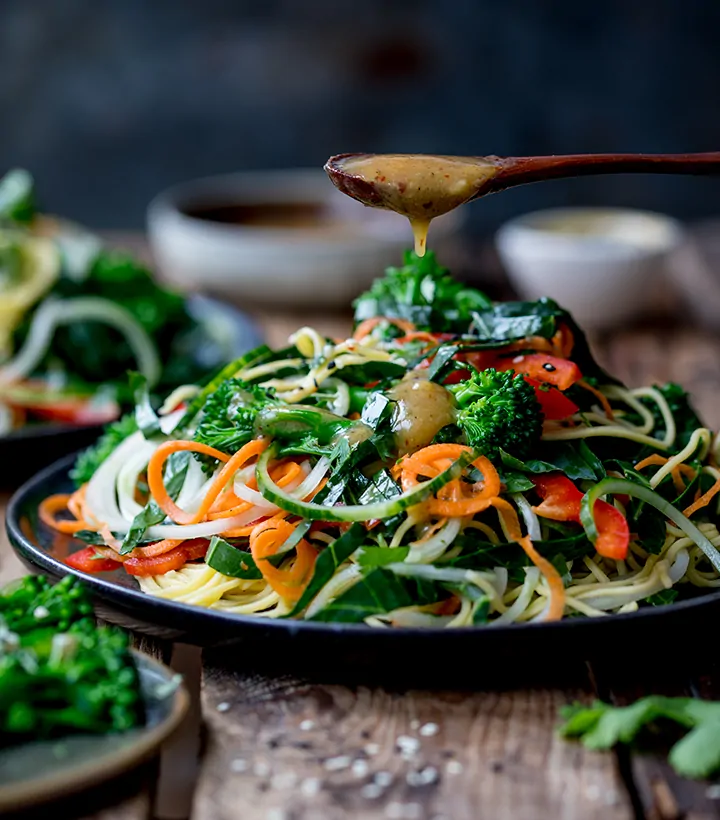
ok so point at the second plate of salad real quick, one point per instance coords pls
(75, 317)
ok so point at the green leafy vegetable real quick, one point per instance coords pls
(377, 593)
(327, 563)
(17, 197)
(602, 726)
(424, 293)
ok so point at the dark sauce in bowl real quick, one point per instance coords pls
(284, 215)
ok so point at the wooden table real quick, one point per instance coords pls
(286, 749)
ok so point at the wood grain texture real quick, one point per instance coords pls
(285, 749)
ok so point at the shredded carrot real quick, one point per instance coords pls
(366, 327)
(555, 584)
(654, 460)
(457, 498)
(599, 396)
(58, 503)
(231, 464)
(265, 540)
(677, 480)
(418, 336)
(704, 499)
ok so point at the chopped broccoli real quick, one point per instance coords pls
(59, 673)
(423, 293)
(498, 411)
(32, 601)
(89, 460)
(238, 412)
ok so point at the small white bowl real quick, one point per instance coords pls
(328, 263)
(604, 265)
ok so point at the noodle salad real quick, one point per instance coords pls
(455, 462)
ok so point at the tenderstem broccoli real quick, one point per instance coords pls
(59, 673)
(238, 412)
(498, 411)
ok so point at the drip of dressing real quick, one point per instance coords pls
(422, 409)
(420, 187)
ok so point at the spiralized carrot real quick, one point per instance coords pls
(232, 464)
(265, 540)
(599, 396)
(655, 460)
(510, 521)
(704, 500)
(366, 327)
(58, 503)
(457, 498)
(418, 336)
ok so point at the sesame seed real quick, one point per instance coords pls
(307, 725)
(223, 707)
(335, 764)
(518, 359)
(239, 765)
(371, 749)
(383, 779)
(371, 791)
(453, 767)
(429, 729)
(283, 780)
(310, 786)
(408, 745)
(261, 768)
(360, 767)
(424, 777)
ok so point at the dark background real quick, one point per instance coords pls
(109, 102)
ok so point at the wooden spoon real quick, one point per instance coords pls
(423, 186)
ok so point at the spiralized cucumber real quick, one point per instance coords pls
(621, 486)
(356, 512)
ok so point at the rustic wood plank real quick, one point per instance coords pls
(286, 749)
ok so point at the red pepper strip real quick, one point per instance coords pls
(554, 404)
(87, 560)
(176, 558)
(561, 373)
(561, 502)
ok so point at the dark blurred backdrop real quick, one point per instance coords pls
(109, 102)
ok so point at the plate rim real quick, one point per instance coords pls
(45, 788)
(206, 617)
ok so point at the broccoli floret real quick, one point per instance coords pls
(32, 602)
(238, 412)
(424, 293)
(89, 460)
(498, 411)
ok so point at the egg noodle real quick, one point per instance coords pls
(436, 468)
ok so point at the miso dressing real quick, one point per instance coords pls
(420, 187)
(422, 409)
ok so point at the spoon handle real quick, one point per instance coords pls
(521, 170)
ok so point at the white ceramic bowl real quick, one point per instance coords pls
(319, 266)
(604, 265)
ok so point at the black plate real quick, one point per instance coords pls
(25, 451)
(471, 655)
